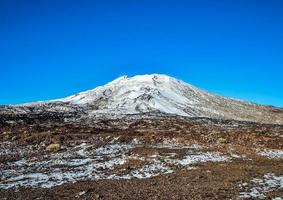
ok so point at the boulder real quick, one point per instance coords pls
(53, 147)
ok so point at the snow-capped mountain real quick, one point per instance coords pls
(158, 94)
(143, 94)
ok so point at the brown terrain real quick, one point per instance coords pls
(150, 157)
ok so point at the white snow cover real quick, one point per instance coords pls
(152, 94)
(145, 93)
(202, 157)
(270, 182)
(90, 162)
(271, 153)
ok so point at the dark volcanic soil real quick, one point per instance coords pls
(250, 150)
(208, 181)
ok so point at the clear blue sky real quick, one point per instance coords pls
(51, 49)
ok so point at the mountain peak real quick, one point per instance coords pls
(152, 93)
(140, 93)
(146, 78)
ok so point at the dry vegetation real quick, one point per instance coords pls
(209, 180)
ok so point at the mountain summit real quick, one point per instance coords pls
(159, 94)
(143, 94)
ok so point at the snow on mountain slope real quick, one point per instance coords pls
(159, 94)
(139, 94)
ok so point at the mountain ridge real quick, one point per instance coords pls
(158, 93)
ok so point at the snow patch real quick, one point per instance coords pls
(202, 157)
(271, 153)
(92, 162)
(269, 183)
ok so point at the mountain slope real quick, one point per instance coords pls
(160, 93)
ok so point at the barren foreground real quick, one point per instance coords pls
(141, 158)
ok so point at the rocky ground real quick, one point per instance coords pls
(149, 157)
